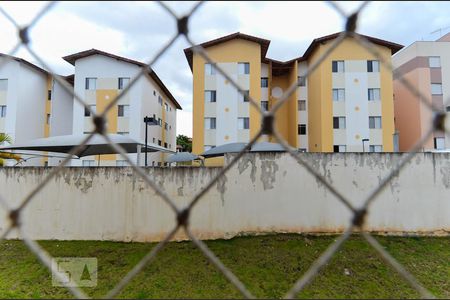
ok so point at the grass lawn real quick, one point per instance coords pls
(267, 265)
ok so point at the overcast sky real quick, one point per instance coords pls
(138, 30)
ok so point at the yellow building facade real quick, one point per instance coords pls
(345, 105)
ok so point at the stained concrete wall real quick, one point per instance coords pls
(262, 193)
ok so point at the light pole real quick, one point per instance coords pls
(147, 120)
(364, 140)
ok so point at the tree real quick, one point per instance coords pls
(185, 142)
(4, 138)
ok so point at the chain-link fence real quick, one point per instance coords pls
(356, 224)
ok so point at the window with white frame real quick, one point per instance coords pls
(436, 89)
(338, 94)
(48, 119)
(375, 148)
(373, 94)
(2, 111)
(243, 123)
(166, 126)
(3, 84)
(160, 101)
(301, 105)
(91, 83)
(301, 81)
(434, 61)
(244, 96)
(337, 66)
(439, 143)
(87, 112)
(339, 148)
(123, 82)
(301, 129)
(210, 96)
(264, 82)
(123, 111)
(209, 69)
(375, 122)
(166, 106)
(338, 122)
(373, 66)
(88, 163)
(244, 68)
(210, 123)
(264, 105)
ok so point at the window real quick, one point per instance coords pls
(154, 93)
(48, 119)
(210, 123)
(436, 89)
(337, 66)
(301, 81)
(154, 140)
(3, 84)
(160, 122)
(338, 122)
(160, 100)
(301, 105)
(159, 164)
(88, 163)
(243, 123)
(126, 133)
(166, 126)
(123, 110)
(338, 94)
(91, 83)
(49, 95)
(121, 163)
(159, 142)
(123, 82)
(244, 96)
(375, 122)
(373, 66)
(339, 148)
(87, 113)
(209, 69)
(301, 149)
(434, 61)
(264, 82)
(170, 146)
(439, 143)
(301, 129)
(244, 68)
(210, 96)
(264, 105)
(373, 94)
(2, 111)
(447, 108)
(166, 106)
(375, 148)
(165, 145)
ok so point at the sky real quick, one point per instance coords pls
(138, 30)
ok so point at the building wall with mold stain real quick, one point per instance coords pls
(262, 193)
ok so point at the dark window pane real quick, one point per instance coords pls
(334, 66)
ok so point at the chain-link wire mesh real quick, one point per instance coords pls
(356, 223)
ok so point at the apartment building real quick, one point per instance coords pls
(345, 105)
(426, 65)
(32, 104)
(99, 78)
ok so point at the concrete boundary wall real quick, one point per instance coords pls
(263, 193)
